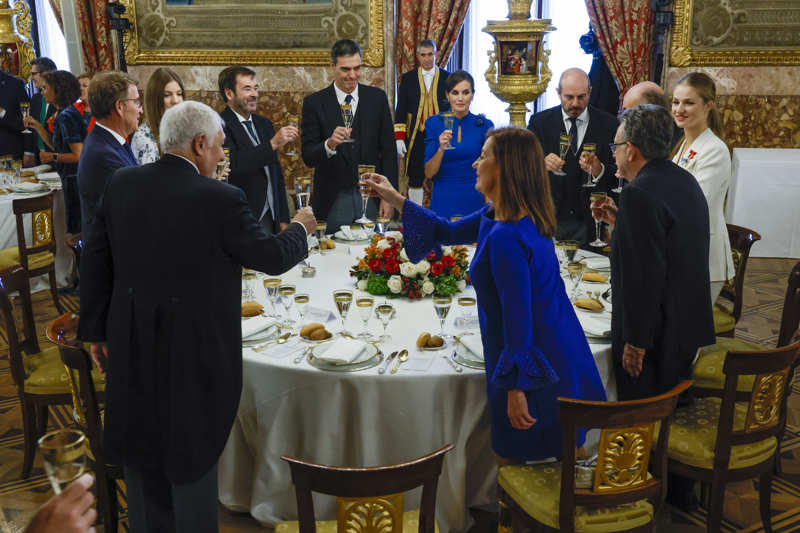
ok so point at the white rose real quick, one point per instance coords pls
(423, 267)
(383, 245)
(402, 255)
(427, 288)
(396, 235)
(362, 285)
(461, 284)
(407, 269)
(395, 284)
(447, 250)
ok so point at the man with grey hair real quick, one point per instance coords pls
(161, 307)
(659, 259)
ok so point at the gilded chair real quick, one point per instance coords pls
(623, 495)
(368, 499)
(726, 317)
(722, 441)
(39, 258)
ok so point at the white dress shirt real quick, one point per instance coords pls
(340, 96)
(267, 206)
(120, 139)
(427, 77)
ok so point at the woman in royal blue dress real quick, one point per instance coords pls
(533, 345)
(451, 170)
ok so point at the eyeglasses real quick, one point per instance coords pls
(136, 101)
(613, 146)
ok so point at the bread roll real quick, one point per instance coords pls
(320, 334)
(595, 276)
(27, 173)
(589, 303)
(423, 339)
(435, 342)
(251, 308)
(308, 329)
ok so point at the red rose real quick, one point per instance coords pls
(392, 266)
(436, 269)
(396, 246)
(389, 253)
(448, 261)
(375, 264)
(431, 256)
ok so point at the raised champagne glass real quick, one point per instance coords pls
(271, 286)
(301, 301)
(575, 270)
(564, 141)
(287, 293)
(291, 120)
(365, 305)
(363, 188)
(342, 298)
(385, 312)
(25, 108)
(589, 151)
(64, 454)
(597, 242)
(449, 120)
(347, 118)
(441, 306)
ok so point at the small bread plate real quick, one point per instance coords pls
(434, 348)
(369, 358)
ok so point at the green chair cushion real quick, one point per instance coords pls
(707, 371)
(46, 374)
(10, 256)
(537, 489)
(693, 434)
(410, 525)
(723, 320)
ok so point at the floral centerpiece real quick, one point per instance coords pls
(385, 269)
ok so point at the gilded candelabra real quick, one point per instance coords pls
(518, 71)
(15, 38)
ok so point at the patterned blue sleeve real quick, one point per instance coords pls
(424, 231)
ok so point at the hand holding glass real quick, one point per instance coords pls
(347, 118)
(64, 454)
(564, 141)
(597, 242)
(25, 108)
(363, 188)
(292, 121)
(588, 156)
(449, 120)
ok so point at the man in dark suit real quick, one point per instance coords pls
(659, 260)
(161, 305)
(336, 198)
(420, 95)
(253, 145)
(39, 110)
(115, 103)
(584, 124)
(12, 92)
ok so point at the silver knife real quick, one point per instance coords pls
(452, 363)
(382, 369)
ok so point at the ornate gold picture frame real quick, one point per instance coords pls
(251, 32)
(735, 32)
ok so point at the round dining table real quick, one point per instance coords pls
(363, 418)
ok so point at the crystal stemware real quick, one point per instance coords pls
(271, 286)
(64, 454)
(302, 188)
(449, 120)
(467, 306)
(287, 293)
(342, 298)
(363, 188)
(575, 270)
(589, 150)
(597, 242)
(441, 305)
(382, 224)
(365, 305)
(385, 313)
(291, 120)
(347, 118)
(564, 141)
(25, 108)
(302, 301)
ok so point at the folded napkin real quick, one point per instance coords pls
(597, 263)
(474, 347)
(27, 186)
(48, 176)
(352, 235)
(595, 325)
(317, 314)
(344, 351)
(256, 325)
(39, 169)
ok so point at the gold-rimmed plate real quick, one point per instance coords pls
(372, 358)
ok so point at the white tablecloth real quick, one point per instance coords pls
(8, 236)
(362, 418)
(764, 196)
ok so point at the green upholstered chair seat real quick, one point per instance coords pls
(410, 524)
(693, 434)
(46, 374)
(723, 320)
(537, 489)
(10, 256)
(707, 370)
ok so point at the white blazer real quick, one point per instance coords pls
(709, 161)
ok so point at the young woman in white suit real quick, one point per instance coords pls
(703, 153)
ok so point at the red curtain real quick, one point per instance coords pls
(98, 52)
(437, 20)
(624, 30)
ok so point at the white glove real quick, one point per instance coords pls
(401, 148)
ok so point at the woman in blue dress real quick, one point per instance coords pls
(451, 169)
(534, 347)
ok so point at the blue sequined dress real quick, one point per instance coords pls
(532, 339)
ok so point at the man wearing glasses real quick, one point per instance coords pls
(39, 110)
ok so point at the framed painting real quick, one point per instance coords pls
(251, 32)
(735, 32)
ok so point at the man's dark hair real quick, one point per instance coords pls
(427, 43)
(66, 87)
(457, 77)
(44, 64)
(344, 48)
(227, 78)
(649, 128)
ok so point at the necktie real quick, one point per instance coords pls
(248, 124)
(348, 98)
(573, 136)
(130, 154)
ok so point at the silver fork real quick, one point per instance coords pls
(300, 357)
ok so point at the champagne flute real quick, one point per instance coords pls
(597, 242)
(347, 118)
(589, 150)
(441, 305)
(564, 141)
(302, 187)
(575, 270)
(449, 120)
(64, 454)
(271, 286)
(25, 108)
(570, 249)
(365, 305)
(287, 293)
(467, 305)
(385, 313)
(343, 298)
(291, 120)
(382, 224)
(302, 300)
(363, 188)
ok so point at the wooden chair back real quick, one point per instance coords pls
(742, 240)
(14, 279)
(79, 365)
(790, 318)
(41, 210)
(368, 493)
(624, 453)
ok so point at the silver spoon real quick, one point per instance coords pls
(280, 340)
(402, 357)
